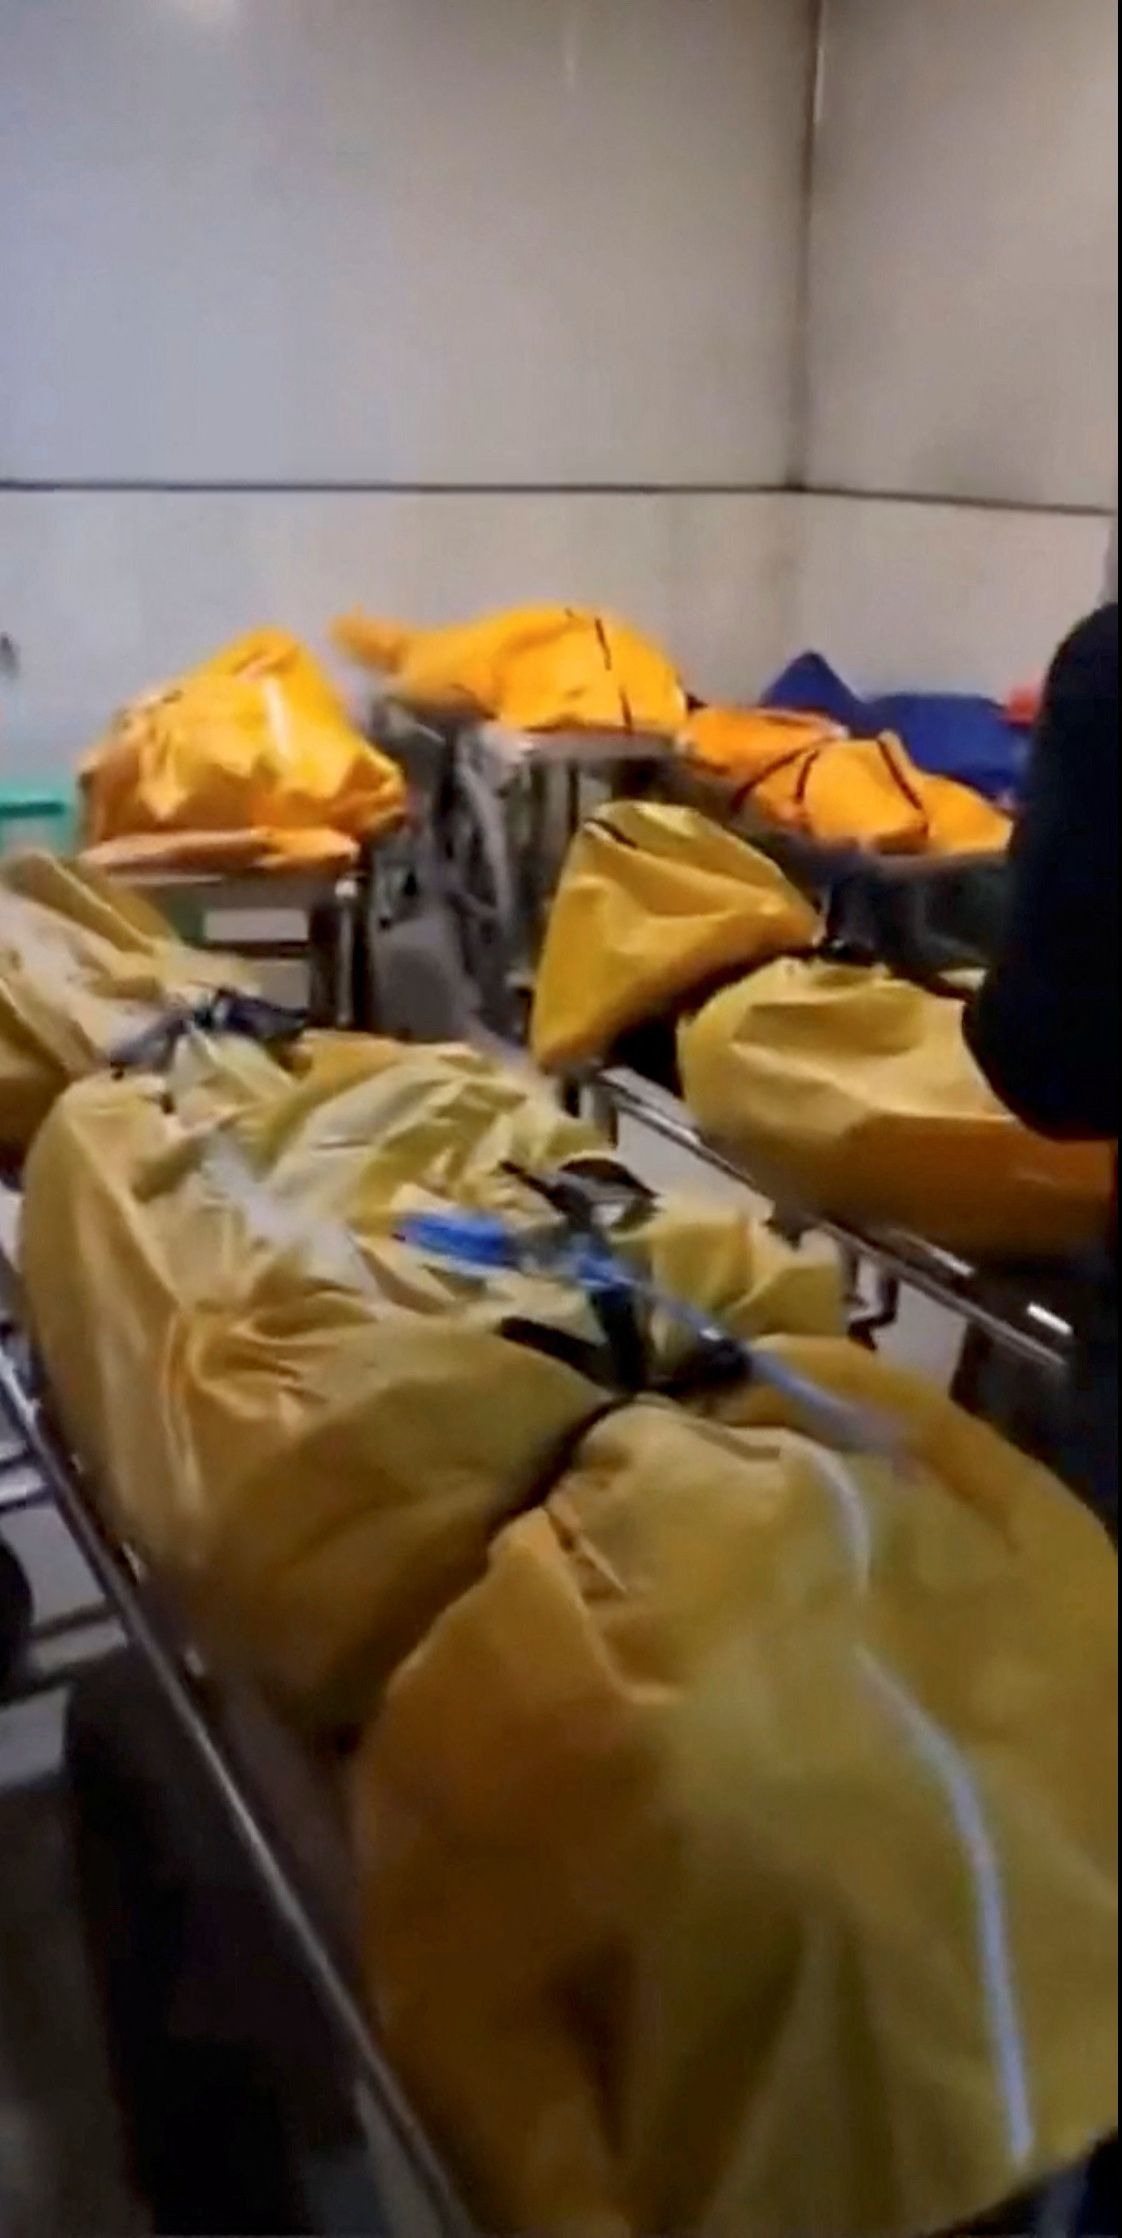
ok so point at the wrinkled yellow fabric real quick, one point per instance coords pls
(304, 1426)
(250, 762)
(740, 1854)
(809, 776)
(84, 967)
(853, 1092)
(537, 668)
(653, 902)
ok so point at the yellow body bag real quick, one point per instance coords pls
(811, 778)
(849, 1091)
(534, 668)
(250, 762)
(653, 902)
(307, 1428)
(84, 967)
(739, 1855)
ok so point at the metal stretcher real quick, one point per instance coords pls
(275, 1800)
(256, 1771)
(497, 810)
(335, 910)
(996, 1304)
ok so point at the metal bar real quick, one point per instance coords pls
(274, 948)
(91, 1615)
(23, 1501)
(40, 1675)
(114, 1572)
(895, 1257)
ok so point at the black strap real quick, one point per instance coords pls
(608, 830)
(712, 1364)
(226, 1010)
(742, 797)
(899, 778)
(557, 1464)
(609, 663)
(720, 1366)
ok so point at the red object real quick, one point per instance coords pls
(1023, 705)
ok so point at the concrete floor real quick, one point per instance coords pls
(61, 2173)
(60, 2162)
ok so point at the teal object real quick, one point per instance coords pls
(46, 808)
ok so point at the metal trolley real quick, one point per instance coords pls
(332, 917)
(496, 812)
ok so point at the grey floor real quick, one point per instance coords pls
(60, 2166)
(60, 2163)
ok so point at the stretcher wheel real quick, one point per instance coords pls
(16, 1610)
(458, 856)
(480, 890)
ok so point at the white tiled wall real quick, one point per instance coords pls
(951, 596)
(965, 237)
(418, 243)
(963, 336)
(399, 241)
(104, 593)
(410, 246)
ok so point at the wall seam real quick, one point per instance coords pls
(935, 500)
(802, 370)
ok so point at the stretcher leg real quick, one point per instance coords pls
(870, 1319)
(324, 957)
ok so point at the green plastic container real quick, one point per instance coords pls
(37, 815)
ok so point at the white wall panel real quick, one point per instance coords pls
(107, 592)
(957, 597)
(403, 241)
(965, 251)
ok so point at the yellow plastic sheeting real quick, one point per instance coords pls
(653, 902)
(740, 1854)
(810, 777)
(84, 967)
(854, 1092)
(534, 668)
(308, 1428)
(250, 762)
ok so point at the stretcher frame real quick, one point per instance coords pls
(416, 2196)
(993, 1306)
(499, 809)
(338, 908)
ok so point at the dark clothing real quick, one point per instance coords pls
(1045, 1027)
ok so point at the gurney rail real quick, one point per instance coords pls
(1026, 1331)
